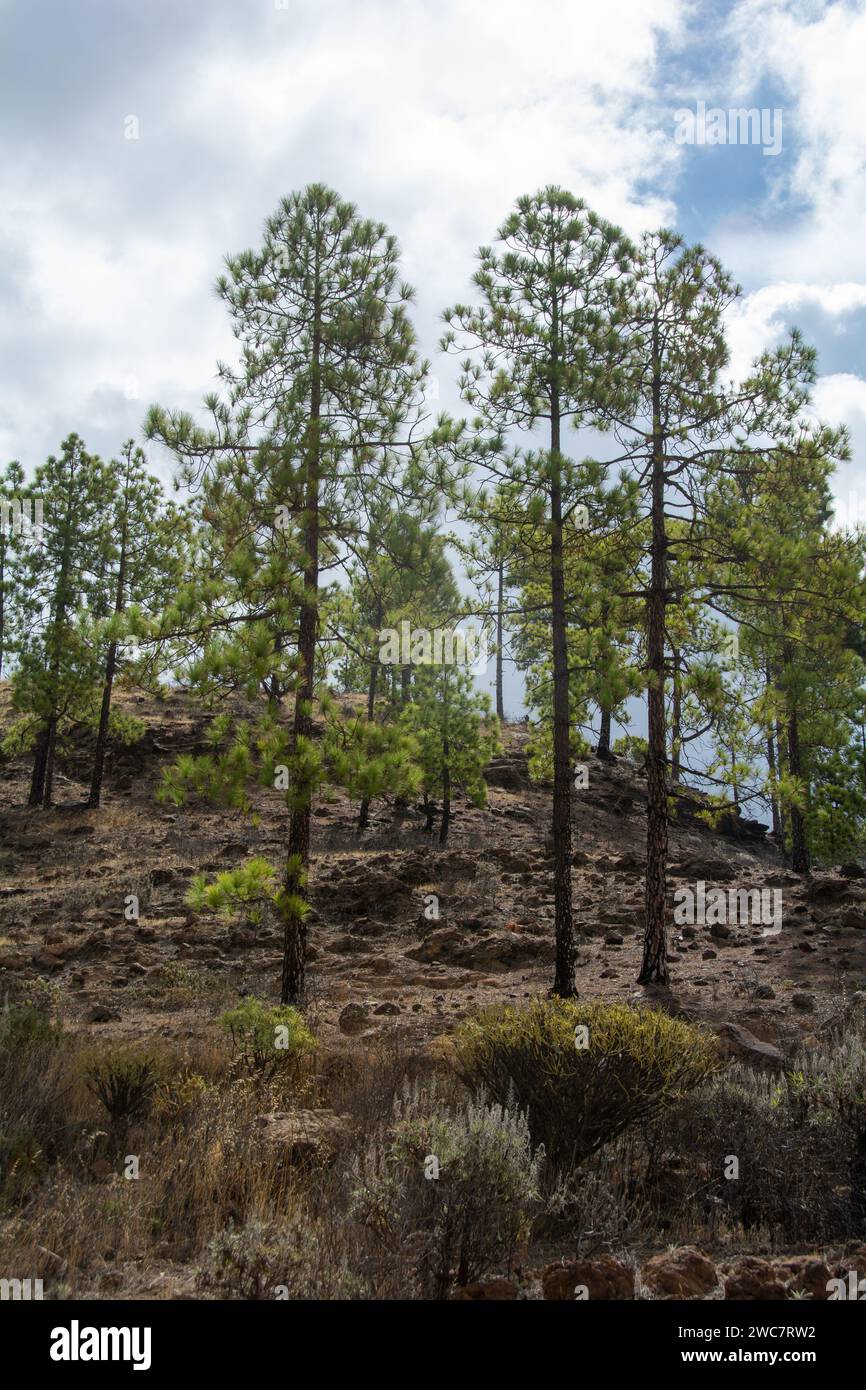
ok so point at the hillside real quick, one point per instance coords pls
(388, 979)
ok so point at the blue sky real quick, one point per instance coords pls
(433, 115)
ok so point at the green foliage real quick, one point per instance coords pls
(454, 729)
(267, 1038)
(24, 1025)
(245, 890)
(583, 1072)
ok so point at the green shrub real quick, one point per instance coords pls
(244, 891)
(267, 1038)
(582, 1088)
(24, 1026)
(124, 1082)
(447, 1191)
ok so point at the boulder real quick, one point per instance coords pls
(354, 1019)
(744, 1044)
(683, 1273)
(303, 1134)
(754, 1279)
(804, 1274)
(603, 1278)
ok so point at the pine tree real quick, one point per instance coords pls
(457, 734)
(328, 390)
(145, 565)
(540, 348)
(12, 529)
(686, 427)
(57, 671)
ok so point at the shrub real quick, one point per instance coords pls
(266, 1260)
(124, 1082)
(450, 1191)
(800, 1139)
(267, 1038)
(244, 891)
(579, 1097)
(25, 1025)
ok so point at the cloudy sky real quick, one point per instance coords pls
(433, 115)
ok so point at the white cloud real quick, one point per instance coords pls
(758, 320)
(433, 118)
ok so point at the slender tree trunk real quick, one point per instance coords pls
(405, 685)
(654, 969)
(50, 752)
(42, 781)
(735, 790)
(780, 746)
(364, 811)
(676, 719)
(603, 746)
(429, 812)
(37, 779)
(799, 848)
(774, 801)
(298, 847)
(500, 585)
(110, 668)
(446, 799)
(563, 981)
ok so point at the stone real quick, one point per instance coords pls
(354, 1019)
(805, 1274)
(746, 1045)
(683, 1273)
(755, 1279)
(100, 1013)
(303, 1134)
(603, 1278)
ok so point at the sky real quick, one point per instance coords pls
(143, 140)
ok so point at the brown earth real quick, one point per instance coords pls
(382, 967)
(375, 943)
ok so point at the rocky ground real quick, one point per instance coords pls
(377, 944)
(383, 964)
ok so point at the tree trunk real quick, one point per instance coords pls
(500, 585)
(298, 847)
(2, 594)
(37, 779)
(50, 751)
(446, 800)
(774, 800)
(364, 812)
(799, 849)
(603, 746)
(676, 719)
(654, 969)
(563, 981)
(110, 668)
